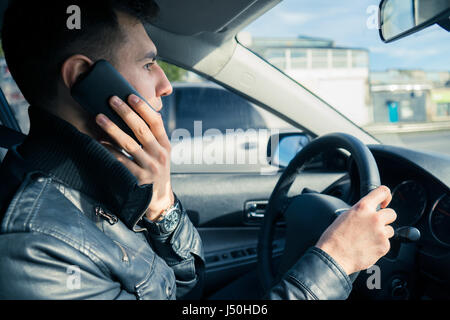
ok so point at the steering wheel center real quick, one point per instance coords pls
(307, 217)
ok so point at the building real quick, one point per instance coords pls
(410, 96)
(339, 75)
(441, 100)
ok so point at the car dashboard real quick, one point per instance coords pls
(420, 194)
(420, 187)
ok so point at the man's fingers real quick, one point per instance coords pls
(152, 118)
(137, 125)
(387, 215)
(131, 165)
(389, 231)
(123, 140)
(380, 196)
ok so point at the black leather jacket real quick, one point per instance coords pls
(55, 245)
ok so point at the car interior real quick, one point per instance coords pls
(229, 206)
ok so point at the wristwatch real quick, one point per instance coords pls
(168, 222)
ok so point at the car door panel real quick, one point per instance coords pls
(215, 204)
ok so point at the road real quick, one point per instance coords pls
(437, 141)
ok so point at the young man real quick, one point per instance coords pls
(82, 220)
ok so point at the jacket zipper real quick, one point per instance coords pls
(125, 255)
(112, 219)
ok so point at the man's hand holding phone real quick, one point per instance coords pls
(151, 162)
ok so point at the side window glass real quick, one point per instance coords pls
(217, 108)
(13, 95)
(196, 99)
(201, 116)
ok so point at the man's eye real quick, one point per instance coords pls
(148, 66)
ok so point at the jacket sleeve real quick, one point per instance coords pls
(183, 252)
(316, 276)
(35, 266)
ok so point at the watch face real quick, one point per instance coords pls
(171, 220)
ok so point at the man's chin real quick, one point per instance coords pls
(155, 104)
(157, 107)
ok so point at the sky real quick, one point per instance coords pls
(349, 24)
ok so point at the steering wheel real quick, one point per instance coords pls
(309, 214)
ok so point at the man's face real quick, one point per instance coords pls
(135, 60)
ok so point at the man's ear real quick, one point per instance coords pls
(73, 67)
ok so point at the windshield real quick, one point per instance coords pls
(398, 92)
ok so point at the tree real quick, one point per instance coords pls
(172, 72)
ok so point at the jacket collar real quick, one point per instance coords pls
(57, 148)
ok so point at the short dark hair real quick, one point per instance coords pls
(36, 40)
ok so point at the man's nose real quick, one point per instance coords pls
(163, 87)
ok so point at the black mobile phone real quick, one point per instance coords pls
(93, 89)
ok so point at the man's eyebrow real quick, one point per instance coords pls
(151, 55)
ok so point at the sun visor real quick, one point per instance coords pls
(196, 16)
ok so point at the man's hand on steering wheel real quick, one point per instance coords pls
(360, 236)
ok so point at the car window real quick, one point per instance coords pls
(13, 95)
(216, 108)
(197, 99)
(398, 92)
(198, 109)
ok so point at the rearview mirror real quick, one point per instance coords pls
(399, 18)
